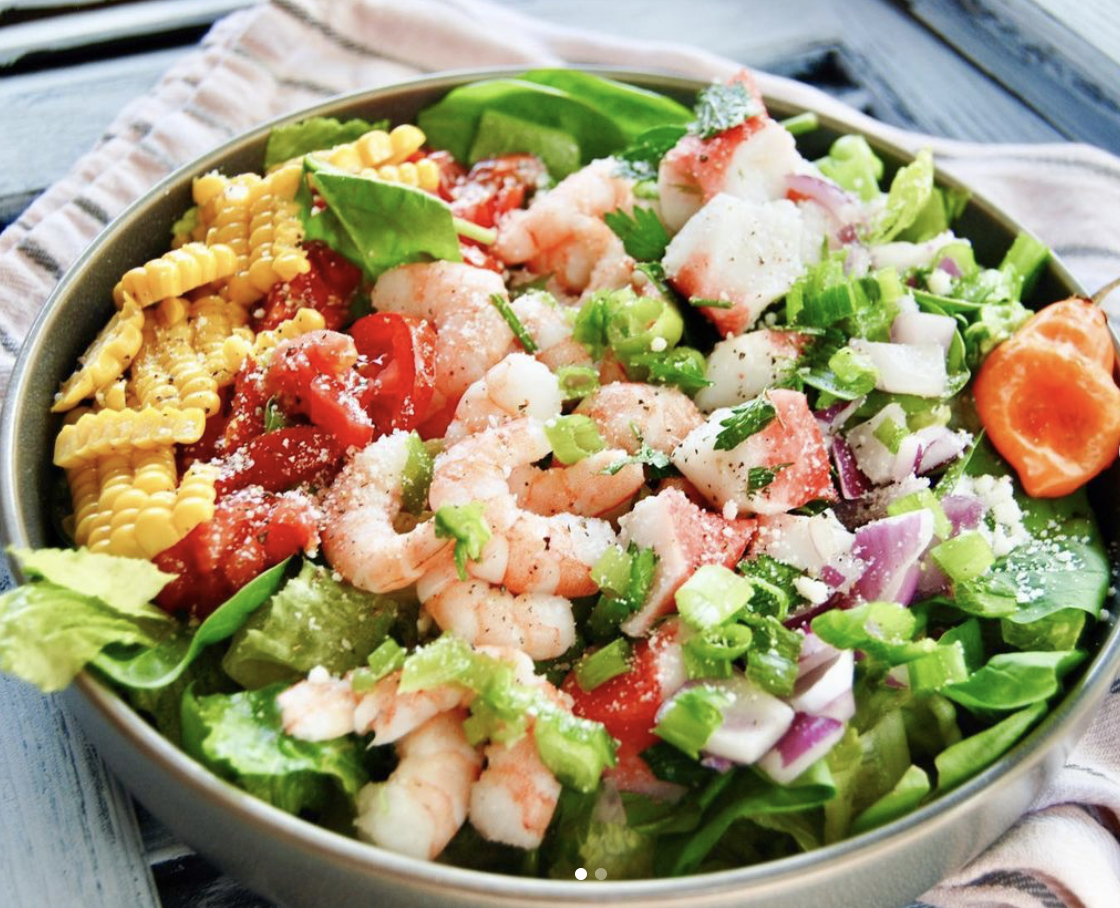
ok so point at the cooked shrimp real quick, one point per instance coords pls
(539, 624)
(527, 552)
(516, 795)
(391, 715)
(455, 298)
(424, 802)
(359, 537)
(663, 416)
(319, 708)
(517, 386)
(584, 488)
(548, 324)
(563, 234)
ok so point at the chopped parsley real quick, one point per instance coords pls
(721, 107)
(642, 234)
(745, 420)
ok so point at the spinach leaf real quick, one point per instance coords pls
(1013, 680)
(501, 134)
(960, 761)
(163, 663)
(375, 224)
(635, 110)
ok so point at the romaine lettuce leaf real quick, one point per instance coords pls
(48, 633)
(314, 134)
(239, 737)
(313, 620)
(585, 832)
(125, 584)
(909, 193)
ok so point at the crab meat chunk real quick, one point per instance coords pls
(740, 368)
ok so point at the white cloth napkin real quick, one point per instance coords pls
(283, 55)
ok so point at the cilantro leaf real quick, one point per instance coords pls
(758, 478)
(720, 107)
(745, 420)
(658, 461)
(641, 160)
(642, 233)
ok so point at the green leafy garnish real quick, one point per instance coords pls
(719, 107)
(659, 462)
(758, 478)
(274, 416)
(642, 233)
(744, 421)
(641, 160)
(853, 166)
(501, 134)
(466, 524)
(909, 193)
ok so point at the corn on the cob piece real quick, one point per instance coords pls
(108, 431)
(216, 324)
(302, 322)
(375, 148)
(194, 499)
(170, 369)
(176, 272)
(423, 174)
(106, 359)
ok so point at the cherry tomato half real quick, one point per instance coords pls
(398, 363)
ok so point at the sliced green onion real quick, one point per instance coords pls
(701, 303)
(853, 370)
(923, 499)
(709, 654)
(416, 477)
(575, 750)
(384, 660)
(964, 557)
(577, 382)
(640, 324)
(712, 595)
(692, 717)
(605, 663)
(472, 231)
(890, 434)
(519, 330)
(945, 665)
(467, 525)
(611, 572)
(573, 438)
(801, 123)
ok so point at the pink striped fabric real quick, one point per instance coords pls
(283, 55)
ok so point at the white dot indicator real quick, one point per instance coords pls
(600, 874)
(581, 874)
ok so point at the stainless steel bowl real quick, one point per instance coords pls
(299, 864)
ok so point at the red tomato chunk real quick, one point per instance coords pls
(327, 287)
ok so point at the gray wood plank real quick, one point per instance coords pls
(48, 119)
(1070, 81)
(918, 82)
(69, 836)
(78, 29)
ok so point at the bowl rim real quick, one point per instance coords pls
(1024, 758)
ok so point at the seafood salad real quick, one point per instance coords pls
(576, 479)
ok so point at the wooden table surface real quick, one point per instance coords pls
(986, 70)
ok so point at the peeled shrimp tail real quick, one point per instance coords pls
(391, 714)
(424, 802)
(515, 797)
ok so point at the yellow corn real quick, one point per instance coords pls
(422, 174)
(114, 431)
(107, 357)
(302, 322)
(170, 370)
(194, 500)
(176, 272)
(115, 397)
(216, 323)
(375, 148)
(85, 490)
(275, 233)
(207, 186)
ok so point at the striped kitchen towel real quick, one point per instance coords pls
(280, 56)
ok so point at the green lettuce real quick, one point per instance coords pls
(239, 737)
(160, 665)
(314, 620)
(1011, 681)
(294, 140)
(854, 166)
(966, 758)
(585, 833)
(75, 604)
(910, 192)
(501, 134)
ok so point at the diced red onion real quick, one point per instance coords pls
(832, 419)
(817, 688)
(814, 653)
(853, 483)
(841, 207)
(752, 723)
(719, 764)
(917, 369)
(939, 445)
(949, 265)
(892, 548)
(842, 708)
(898, 677)
(832, 576)
(931, 580)
(964, 512)
(923, 328)
(809, 738)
